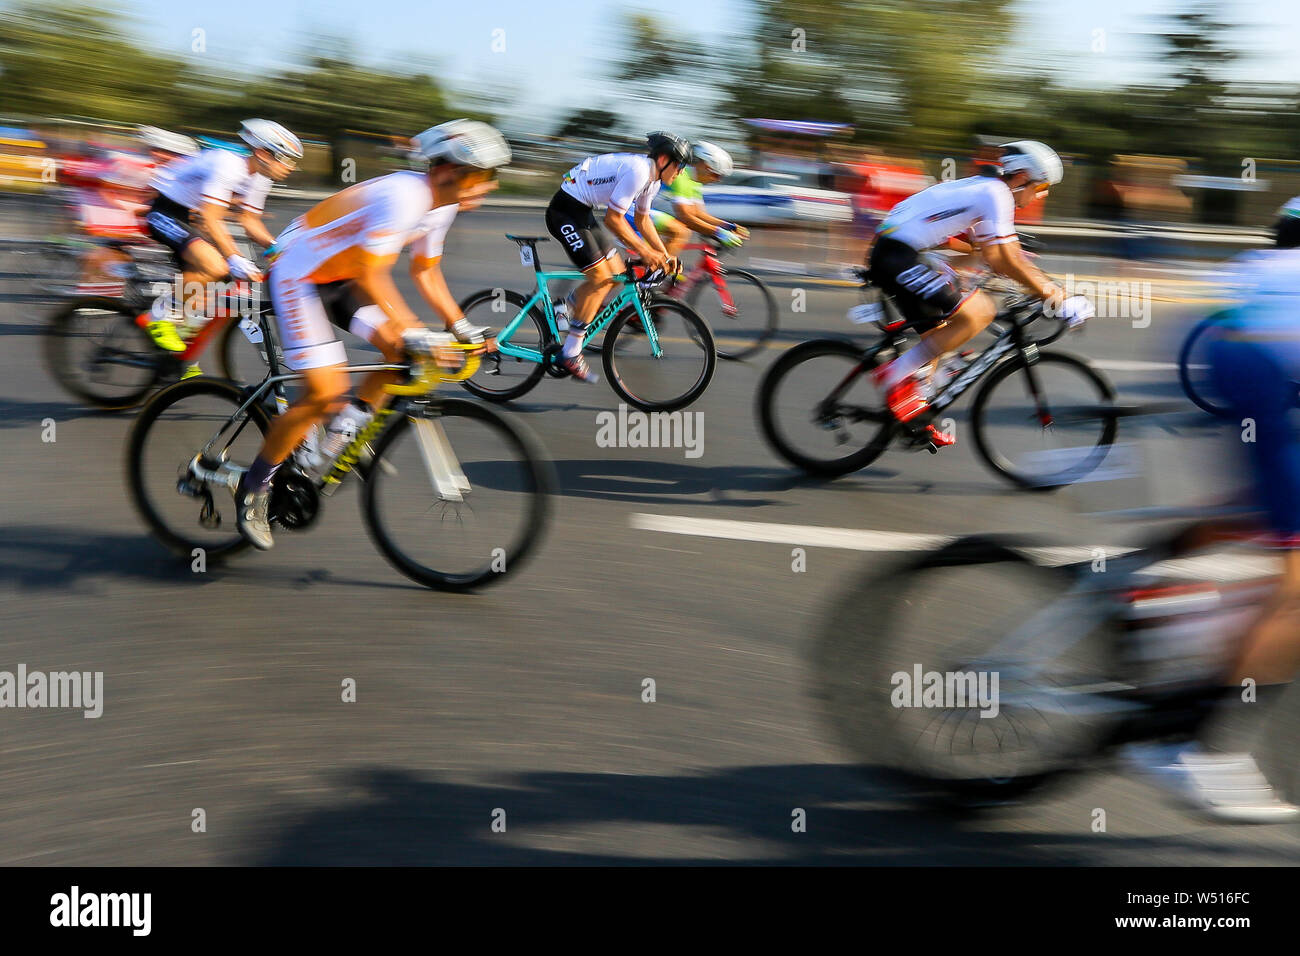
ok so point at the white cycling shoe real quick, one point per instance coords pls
(1228, 787)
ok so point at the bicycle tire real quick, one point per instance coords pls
(135, 445)
(1199, 396)
(699, 331)
(769, 327)
(59, 333)
(1003, 466)
(865, 640)
(538, 468)
(477, 384)
(777, 441)
(231, 338)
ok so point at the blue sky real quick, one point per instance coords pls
(557, 53)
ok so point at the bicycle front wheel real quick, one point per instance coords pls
(242, 360)
(740, 309)
(1194, 371)
(457, 495)
(1044, 424)
(172, 428)
(96, 350)
(674, 378)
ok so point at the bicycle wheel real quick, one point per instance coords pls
(1023, 715)
(1194, 367)
(501, 378)
(819, 409)
(58, 267)
(241, 360)
(484, 527)
(1044, 425)
(742, 312)
(172, 428)
(97, 351)
(674, 379)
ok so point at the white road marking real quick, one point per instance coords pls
(1215, 567)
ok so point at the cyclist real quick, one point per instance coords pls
(711, 164)
(333, 266)
(985, 206)
(1255, 364)
(623, 183)
(195, 196)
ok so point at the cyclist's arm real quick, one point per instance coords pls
(429, 279)
(616, 222)
(1007, 258)
(212, 221)
(256, 228)
(375, 279)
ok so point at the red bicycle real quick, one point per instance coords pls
(100, 350)
(738, 306)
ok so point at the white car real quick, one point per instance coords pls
(751, 196)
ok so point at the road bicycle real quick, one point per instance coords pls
(455, 495)
(738, 305)
(1039, 419)
(658, 353)
(100, 350)
(1090, 650)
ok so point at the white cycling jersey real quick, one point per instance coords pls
(982, 204)
(617, 180)
(335, 239)
(213, 176)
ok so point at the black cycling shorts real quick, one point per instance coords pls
(168, 222)
(342, 301)
(925, 296)
(574, 224)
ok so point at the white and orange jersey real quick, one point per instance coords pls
(341, 236)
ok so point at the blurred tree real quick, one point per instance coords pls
(590, 125)
(1198, 57)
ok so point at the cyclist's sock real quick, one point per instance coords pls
(161, 310)
(909, 363)
(259, 474)
(573, 342)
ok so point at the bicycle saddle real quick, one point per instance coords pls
(528, 238)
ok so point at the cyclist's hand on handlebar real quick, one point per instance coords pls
(654, 259)
(729, 238)
(242, 268)
(1075, 310)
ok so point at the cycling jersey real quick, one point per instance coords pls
(684, 190)
(333, 243)
(925, 220)
(620, 181)
(213, 176)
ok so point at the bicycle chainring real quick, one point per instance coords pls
(295, 502)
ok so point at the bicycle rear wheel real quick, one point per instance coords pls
(172, 428)
(1024, 716)
(741, 311)
(1044, 424)
(502, 378)
(675, 378)
(457, 495)
(819, 409)
(96, 350)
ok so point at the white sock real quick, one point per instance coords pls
(161, 310)
(573, 341)
(908, 363)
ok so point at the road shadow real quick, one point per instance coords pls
(734, 815)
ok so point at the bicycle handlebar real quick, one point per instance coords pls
(431, 375)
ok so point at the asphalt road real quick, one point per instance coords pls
(222, 689)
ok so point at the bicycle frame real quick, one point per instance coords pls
(629, 295)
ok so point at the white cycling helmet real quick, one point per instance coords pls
(168, 142)
(1030, 156)
(713, 157)
(463, 142)
(272, 137)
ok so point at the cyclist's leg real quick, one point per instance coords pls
(587, 247)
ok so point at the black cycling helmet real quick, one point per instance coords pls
(668, 144)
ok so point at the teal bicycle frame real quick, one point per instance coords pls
(629, 295)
